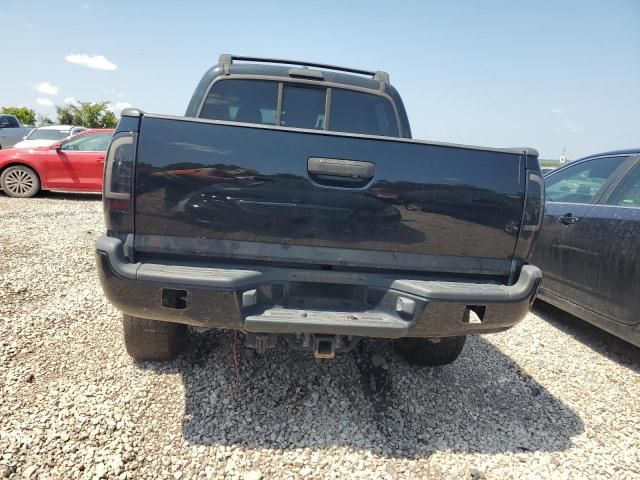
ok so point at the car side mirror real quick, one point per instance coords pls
(24, 138)
(56, 146)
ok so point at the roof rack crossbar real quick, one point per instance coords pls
(227, 60)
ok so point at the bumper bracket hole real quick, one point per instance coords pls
(172, 298)
(475, 313)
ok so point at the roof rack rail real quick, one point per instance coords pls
(226, 60)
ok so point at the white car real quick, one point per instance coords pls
(45, 136)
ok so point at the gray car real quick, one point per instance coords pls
(11, 131)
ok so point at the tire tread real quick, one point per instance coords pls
(147, 339)
(427, 352)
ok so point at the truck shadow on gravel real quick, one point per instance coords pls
(598, 340)
(370, 399)
(73, 196)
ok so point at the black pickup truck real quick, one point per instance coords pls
(291, 202)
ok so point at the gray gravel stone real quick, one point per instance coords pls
(5, 471)
(252, 475)
(30, 471)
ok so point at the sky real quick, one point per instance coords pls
(545, 74)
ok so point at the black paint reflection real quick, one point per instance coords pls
(224, 182)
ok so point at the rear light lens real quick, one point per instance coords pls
(534, 206)
(118, 182)
(119, 169)
(532, 217)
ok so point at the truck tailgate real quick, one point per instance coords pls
(221, 190)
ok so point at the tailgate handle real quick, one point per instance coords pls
(336, 167)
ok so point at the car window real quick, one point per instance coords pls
(303, 107)
(250, 101)
(359, 112)
(92, 142)
(47, 134)
(627, 194)
(581, 182)
(8, 122)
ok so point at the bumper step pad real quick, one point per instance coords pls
(281, 320)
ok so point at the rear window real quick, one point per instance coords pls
(47, 134)
(359, 112)
(7, 121)
(250, 101)
(303, 106)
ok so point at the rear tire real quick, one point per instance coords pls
(430, 351)
(19, 181)
(151, 339)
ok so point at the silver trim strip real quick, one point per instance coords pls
(279, 105)
(211, 248)
(512, 151)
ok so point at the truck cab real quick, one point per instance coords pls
(11, 131)
(344, 100)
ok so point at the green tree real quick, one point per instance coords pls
(43, 120)
(87, 114)
(110, 120)
(65, 114)
(26, 115)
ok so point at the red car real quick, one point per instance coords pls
(75, 164)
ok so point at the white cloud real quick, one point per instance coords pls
(557, 111)
(70, 101)
(47, 88)
(45, 102)
(119, 106)
(98, 62)
(85, 5)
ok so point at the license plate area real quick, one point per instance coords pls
(311, 295)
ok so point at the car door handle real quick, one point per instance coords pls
(335, 167)
(100, 159)
(567, 219)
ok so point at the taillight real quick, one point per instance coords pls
(533, 205)
(118, 183)
(532, 216)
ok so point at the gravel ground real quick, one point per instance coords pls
(551, 398)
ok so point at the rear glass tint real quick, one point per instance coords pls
(359, 112)
(303, 107)
(249, 101)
